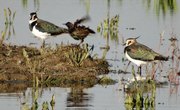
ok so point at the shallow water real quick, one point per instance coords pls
(133, 14)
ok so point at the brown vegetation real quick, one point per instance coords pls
(61, 65)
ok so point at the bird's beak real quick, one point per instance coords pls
(124, 44)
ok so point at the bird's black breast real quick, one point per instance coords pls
(32, 25)
(71, 30)
(127, 49)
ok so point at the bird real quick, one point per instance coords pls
(43, 29)
(140, 54)
(79, 32)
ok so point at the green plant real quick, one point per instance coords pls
(25, 3)
(9, 16)
(9, 20)
(2, 38)
(45, 106)
(52, 102)
(109, 27)
(77, 55)
(136, 89)
(138, 100)
(162, 6)
(106, 81)
(33, 65)
(26, 56)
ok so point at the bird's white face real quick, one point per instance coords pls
(130, 42)
(33, 17)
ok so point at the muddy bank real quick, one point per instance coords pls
(60, 65)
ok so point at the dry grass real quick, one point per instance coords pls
(21, 63)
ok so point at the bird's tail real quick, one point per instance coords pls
(61, 30)
(161, 58)
(64, 30)
(91, 31)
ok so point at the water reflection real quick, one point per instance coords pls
(109, 26)
(174, 51)
(9, 23)
(78, 97)
(162, 6)
(141, 97)
(87, 5)
(36, 4)
(108, 29)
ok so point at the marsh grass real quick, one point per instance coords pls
(105, 80)
(77, 55)
(51, 66)
(9, 16)
(140, 93)
(162, 7)
(109, 27)
(2, 38)
(175, 57)
(36, 92)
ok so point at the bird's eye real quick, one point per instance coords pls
(129, 42)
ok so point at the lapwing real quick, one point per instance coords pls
(43, 29)
(140, 54)
(79, 32)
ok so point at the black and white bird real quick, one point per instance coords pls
(43, 29)
(140, 54)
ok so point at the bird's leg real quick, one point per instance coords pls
(82, 40)
(43, 43)
(139, 70)
(153, 71)
(127, 66)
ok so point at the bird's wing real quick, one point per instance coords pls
(48, 27)
(80, 32)
(141, 52)
(83, 19)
